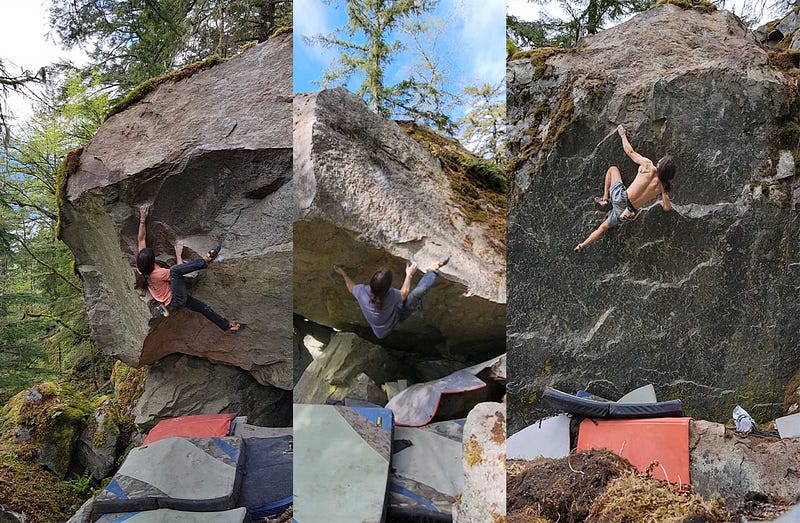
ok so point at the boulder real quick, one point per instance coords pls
(310, 340)
(210, 148)
(50, 416)
(484, 459)
(179, 385)
(96, 448)
(791, 401)
(730, 465)
(369, 196)
(335, 373)
(700, 301)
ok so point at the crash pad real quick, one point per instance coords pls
(195, 426)
(197, 474)
(642, 442)
(267, 480)
(417, 405)
(427, 471)
(788, 426)
(165, 515)
(341, 463)
(611, 410)
(644, 394)
(548, 438)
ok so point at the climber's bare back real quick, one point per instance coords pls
(646, 186)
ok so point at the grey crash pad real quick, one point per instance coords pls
(417, 405)
(197, 474)
(341, 463)
(427, 471)
(548, 438)
(788, 426)
(644, 394)
(237, 515)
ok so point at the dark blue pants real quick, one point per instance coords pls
(414, 297)
(181, 297)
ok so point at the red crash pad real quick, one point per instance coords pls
(643, 441)
(197, 426)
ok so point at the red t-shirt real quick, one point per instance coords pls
(158, 284)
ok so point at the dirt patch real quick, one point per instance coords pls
(563, 489)
(632, 497)
(755, 506)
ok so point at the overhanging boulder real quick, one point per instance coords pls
(210, 148)
(367, 196)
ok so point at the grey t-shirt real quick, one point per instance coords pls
(381, 320)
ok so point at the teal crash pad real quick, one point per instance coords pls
(341, 463)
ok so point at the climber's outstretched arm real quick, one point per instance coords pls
(142, 236)
(628, 148)
(596, 234)
(347, 281)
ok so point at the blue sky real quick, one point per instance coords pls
(472, 45)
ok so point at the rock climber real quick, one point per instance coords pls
(167, 286)
(624, 204)
(384, 306)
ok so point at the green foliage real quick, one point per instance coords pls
(43, 325)
(81, 483)
(703, 5)
(130, 41)
(479, 186)
(581, 18)
(374, 22)
(483, 127)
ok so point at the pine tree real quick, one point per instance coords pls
(368, 45)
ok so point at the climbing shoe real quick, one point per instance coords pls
(214, 252)
(162, 310)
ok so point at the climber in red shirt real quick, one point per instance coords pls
(624, 204)
(167, 285)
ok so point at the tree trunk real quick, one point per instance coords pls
(267, 22)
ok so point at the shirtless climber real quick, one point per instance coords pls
(625, 204)
(384, 306)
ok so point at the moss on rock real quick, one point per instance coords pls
(143, 89)
(27, 488)
(52, 415)
(538, 58)
(479, 186)
(65, 169)
(704, 6)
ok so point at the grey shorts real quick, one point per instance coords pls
(619, 203)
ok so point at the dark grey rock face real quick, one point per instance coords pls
(702, 301)
(180, 385)
(212, 153)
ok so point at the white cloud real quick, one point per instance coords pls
(482, 37)
(24, 45)
(310, 19)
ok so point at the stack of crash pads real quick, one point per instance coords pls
(342, 463)
(195, 474)
(653, 436)
(237, 515)
(427, 471)
(202, 479)
(267, 484)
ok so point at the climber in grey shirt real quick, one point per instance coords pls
(384, 306)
